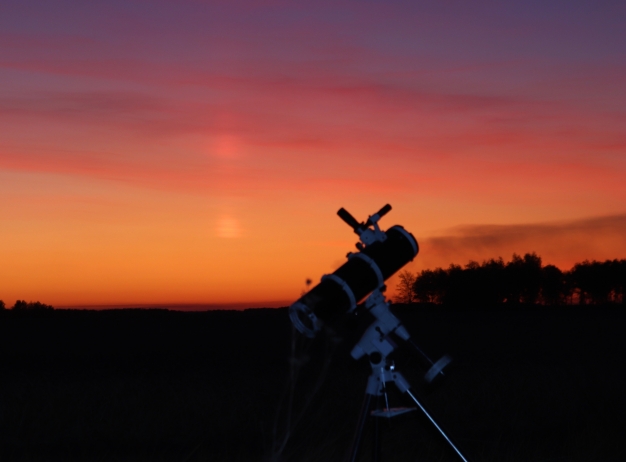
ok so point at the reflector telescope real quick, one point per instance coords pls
(380, 255)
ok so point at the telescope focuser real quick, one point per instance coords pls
(368, 232)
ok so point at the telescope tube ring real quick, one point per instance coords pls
(373, 265)
(346, 288)
(409, 237)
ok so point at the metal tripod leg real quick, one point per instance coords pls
(365, 410)
(383, 373)
(405, 387)
(437, 426)
(376, 449)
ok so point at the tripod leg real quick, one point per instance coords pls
(365, 410)
(376, 455)
(437, 426)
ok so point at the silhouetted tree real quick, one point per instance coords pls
(523, 280)
(598, 282)
(429, 286)
(581, 281)
(553, 287)
(455, 290)
(513, 280)
(601, 289)
(619, 269)
(405, 290)
(2, 305)
(569, 288)
(489, 281)
(616, 270)
(35, 306)
(470, 284)
(19, 305)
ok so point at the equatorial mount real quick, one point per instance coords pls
(377, 344)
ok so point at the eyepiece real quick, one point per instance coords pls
(384, 210)
(378, 215)
(349, 219)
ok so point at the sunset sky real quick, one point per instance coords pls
(192, 152)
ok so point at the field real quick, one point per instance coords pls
(153, 385)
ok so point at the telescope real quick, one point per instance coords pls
(380, 255)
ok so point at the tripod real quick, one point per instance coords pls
(377, 344)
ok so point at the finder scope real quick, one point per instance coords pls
(380, 255)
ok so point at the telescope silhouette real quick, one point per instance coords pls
(380, 255)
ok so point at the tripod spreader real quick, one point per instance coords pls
(382, 374)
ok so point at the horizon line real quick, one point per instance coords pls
(180, 306)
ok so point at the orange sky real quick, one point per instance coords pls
(197, 154)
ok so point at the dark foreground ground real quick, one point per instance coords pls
(541, 385)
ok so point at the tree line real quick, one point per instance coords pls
(23, 305)
(523, 280)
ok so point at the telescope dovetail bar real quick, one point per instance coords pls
(380, 255)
